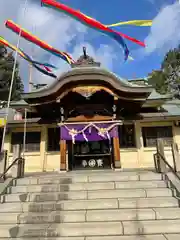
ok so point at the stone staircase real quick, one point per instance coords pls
(99, 205)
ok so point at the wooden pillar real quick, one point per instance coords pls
(176, 156)
(139, 145)
(117, 158)
(116, 144)
(62, 146)
(43, 148)
(62, 155)
(160, 149)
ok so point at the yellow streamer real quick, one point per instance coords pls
(6, 43)
(141, 23)
(2, 122)
(130, 58)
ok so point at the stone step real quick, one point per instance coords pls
(128, 176)
(61, 187)
(167, 213)
(40, 218)
(75, 195)
(66, 178)
(86, 186)
(154, 202)
(90, 204)
(134, 237)
(44, 197)
(90, 216)
(172, 236)
(130, 193)
(49, 238)
(151, 227)
(139, 237)
(79, 216)
(141, 184)
(91, 229)
(64, 230)
(132, 214)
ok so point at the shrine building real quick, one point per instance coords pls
(90, 118)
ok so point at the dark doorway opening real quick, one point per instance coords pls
(90, 155)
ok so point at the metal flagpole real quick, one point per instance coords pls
(31, 66)
(11, 85)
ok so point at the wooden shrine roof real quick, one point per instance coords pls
(88, 76)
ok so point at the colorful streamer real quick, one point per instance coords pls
(30, 37)
(45, 71)
(86, 19)
(43, 67)
(22, 54)
(141, 23)
(93, 24)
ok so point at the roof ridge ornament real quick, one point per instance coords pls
(85, 61)
(84, 51)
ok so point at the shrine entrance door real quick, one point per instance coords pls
(90, 155)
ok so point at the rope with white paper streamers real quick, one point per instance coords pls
(103, 132)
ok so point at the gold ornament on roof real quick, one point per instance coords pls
(87, 91)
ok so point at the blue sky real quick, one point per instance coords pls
(68, 35)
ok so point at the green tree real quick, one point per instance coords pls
(6, 68)
(167, 79)
(158, 81)
(171, 67)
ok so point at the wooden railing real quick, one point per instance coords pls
(158, 158)
(161, 163)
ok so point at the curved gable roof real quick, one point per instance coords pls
(94, 75)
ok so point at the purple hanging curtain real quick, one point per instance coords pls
(90, 134)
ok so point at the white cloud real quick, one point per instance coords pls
(104, 54)
(164, 33)
(55, 28)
